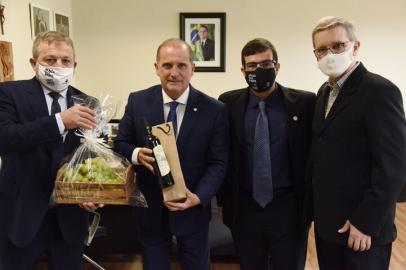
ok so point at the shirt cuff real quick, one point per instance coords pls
(134, 157)
(61, 126)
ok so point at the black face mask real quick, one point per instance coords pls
(260, 79)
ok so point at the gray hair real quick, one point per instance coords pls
(331, 22)
(50, 37)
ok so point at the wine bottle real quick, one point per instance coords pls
(161, 165)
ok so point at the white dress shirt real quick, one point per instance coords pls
(180, 113)
(62, 102)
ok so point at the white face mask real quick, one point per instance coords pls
(55, 78)
(334, 65)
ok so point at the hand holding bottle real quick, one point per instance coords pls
(146, 159)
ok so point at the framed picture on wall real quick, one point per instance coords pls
(40, 20)
(62, 23)
(6, 61)
(205, 33)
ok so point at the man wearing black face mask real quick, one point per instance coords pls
(262, 195)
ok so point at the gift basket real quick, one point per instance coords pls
(94, 173)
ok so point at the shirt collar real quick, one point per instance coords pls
(62, 93)
(339, 84)
(182, 99)
(253, 100)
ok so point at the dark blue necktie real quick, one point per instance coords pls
(172, 117)
(262, 169)
(55, 107)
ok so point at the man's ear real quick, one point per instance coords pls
(243, 71)
(277, 67)
(33, 62)
(357, 44)
(156, 68)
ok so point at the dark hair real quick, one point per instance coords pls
(204, 26)
(255, 46)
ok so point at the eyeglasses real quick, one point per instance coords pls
(267, 64)
(336, 48)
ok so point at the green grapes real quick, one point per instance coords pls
(94, 170)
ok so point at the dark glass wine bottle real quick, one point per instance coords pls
(161, 165)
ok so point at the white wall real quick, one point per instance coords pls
(116, 41)
(18, 30)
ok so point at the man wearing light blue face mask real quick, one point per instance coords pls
(37, 123)
(358, 157)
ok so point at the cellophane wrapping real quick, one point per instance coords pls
(95, 173)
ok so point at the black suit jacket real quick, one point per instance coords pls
(32, 149)
(358, 158)
(203, 151)
(208, 50)
(299, 107)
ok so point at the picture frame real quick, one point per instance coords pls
(40, 20)
(6, 61)
(205, 33)
(62, 23)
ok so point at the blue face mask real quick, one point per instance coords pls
(260, 79)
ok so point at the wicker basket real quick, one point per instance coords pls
(74, 193)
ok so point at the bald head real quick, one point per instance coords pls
(174, 42)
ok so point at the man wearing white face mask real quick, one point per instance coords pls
(37, 123)
(358, 158)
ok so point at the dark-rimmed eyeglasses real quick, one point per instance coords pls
(267, 64)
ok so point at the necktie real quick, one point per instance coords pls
(55, 107)
(262, 169)
(172, 117)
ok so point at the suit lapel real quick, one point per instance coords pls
(70, 136)
(344, 97)
(156, 115)
(292, 113)
(189, 119)
(320, 107)
(342, 100)
(36, 99)
(237, 112)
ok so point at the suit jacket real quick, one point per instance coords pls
(203, 150)
(208, 50)
(358, 158)
(299, 108)
(31, 149)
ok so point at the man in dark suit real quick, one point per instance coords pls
(266, 227)
(202, 130)
(358, 156)
(36, 132)
(206, 43)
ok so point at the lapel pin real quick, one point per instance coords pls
(295, 118)
(195, 109)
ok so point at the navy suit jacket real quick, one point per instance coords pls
(32, 149)
(203, 149)
(358, 158)
(299, 108)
